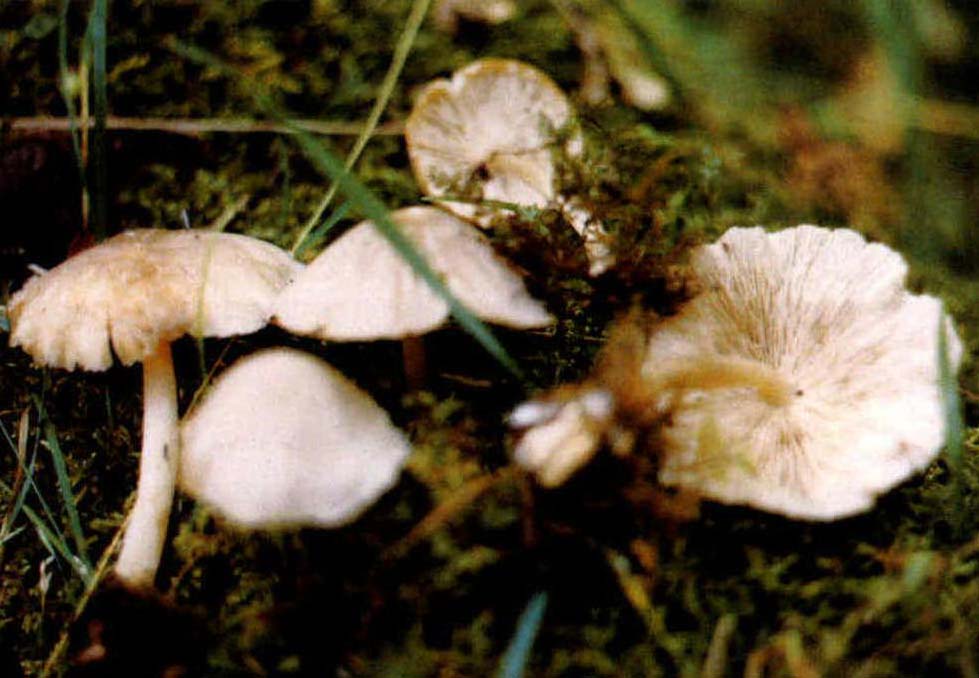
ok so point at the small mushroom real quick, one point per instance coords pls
(284, 440)
(802, 380)
(560, 436)
(447, 13)
(360, 288)
(132, 295)
(492, 129)
(610, 51)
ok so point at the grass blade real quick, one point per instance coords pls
(892, 25)
(29, 484)
(100, 103)
(419, 8)
(19, 487)
(64, 482)
(517, 654)
(53, 541)
(63, 77)
(10, 535)
(286, 172)
(954, 426)
(321, 232)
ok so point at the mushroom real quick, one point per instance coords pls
(447, 13)
(360, 288)
(561, 436)
(610, 51)
(284, 440)
(493, 129)
(802, 380)
(132, 295)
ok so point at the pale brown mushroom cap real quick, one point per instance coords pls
(144, 287)
(827, 313)
(496, 118)
(283, 439)
(448, 12)
(361, 288)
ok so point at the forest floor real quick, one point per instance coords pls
(860, 115)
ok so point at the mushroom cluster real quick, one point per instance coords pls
(132, 295)
(803, 379)
(332, 451)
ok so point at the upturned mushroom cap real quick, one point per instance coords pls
(143, 287)
(492, 130)
(491, 127)
(360, 287)
(282, 439)
(825, 316)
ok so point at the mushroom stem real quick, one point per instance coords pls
(143, 542)
(413, 358)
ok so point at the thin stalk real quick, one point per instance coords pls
(419, 9)
(63, 75)
(954, 426)
(99, 167)
(86, 125)
(323, 230)
(721, 373)
(142, 543)
(198, 126)
(413, 359)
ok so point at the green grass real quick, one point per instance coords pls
(64, 483)
(97, 39)
(46, 524)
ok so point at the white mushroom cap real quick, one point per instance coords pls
(283, 439)
(361, 288)
(827, 315)
(495, 117)
(493, 127)
(143, 287)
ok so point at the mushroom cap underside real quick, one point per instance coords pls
(828, 314)
(494, 124)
